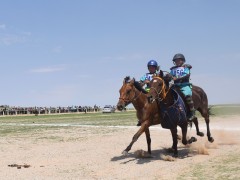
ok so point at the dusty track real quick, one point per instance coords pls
(95, 153)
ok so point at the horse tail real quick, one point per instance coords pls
(210, 113)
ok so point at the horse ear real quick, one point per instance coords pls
(160, 74)
(132, 81)
(126, 79)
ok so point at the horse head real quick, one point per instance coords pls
(127, 93)
(157, 89)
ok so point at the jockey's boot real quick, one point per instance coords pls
(139, 123)
(191, 108)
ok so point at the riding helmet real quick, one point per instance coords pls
(179, 56)
(152, 63)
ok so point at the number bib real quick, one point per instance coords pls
(179, 72)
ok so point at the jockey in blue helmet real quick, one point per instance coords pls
(153, 68)
(147, 77)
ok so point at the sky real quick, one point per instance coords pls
(77, 52)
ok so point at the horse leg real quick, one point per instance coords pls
(205, 114)
(135, 137)
(184, 135)
(147, 133)
(210, 138)
(195, 121)
(175, 141)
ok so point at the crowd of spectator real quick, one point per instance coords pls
(12, 110)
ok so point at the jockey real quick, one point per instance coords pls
(181, 76)
(146, 78)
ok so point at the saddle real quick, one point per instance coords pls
(175, 114)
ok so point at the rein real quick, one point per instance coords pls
(162, 91)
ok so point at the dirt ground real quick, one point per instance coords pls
(95, 153)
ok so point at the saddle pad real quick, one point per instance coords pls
(175, 114)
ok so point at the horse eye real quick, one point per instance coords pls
(128, 91)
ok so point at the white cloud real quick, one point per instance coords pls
(2, 26)
(48, 69)
(10, 39)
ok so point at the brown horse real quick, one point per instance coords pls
(147, 113)
(161, 94)
(200, 101)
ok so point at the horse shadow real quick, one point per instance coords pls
(159, 154)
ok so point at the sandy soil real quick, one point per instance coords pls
(95, 153)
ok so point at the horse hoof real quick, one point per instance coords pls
(186, 142)
(125, 153)
(210, 139)
(200, 134)
(193, 139)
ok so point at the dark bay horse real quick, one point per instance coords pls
(162, 94)
(200, 101)
(148, 113)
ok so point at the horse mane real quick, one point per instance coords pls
(166, 77)
(136, 84)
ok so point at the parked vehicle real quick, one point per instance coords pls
(108, 109)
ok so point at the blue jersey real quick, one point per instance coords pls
(179, 72)
(149, 77)
(184, 85)
(146, 76)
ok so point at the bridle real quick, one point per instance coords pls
(134, 98)
(162, 90)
